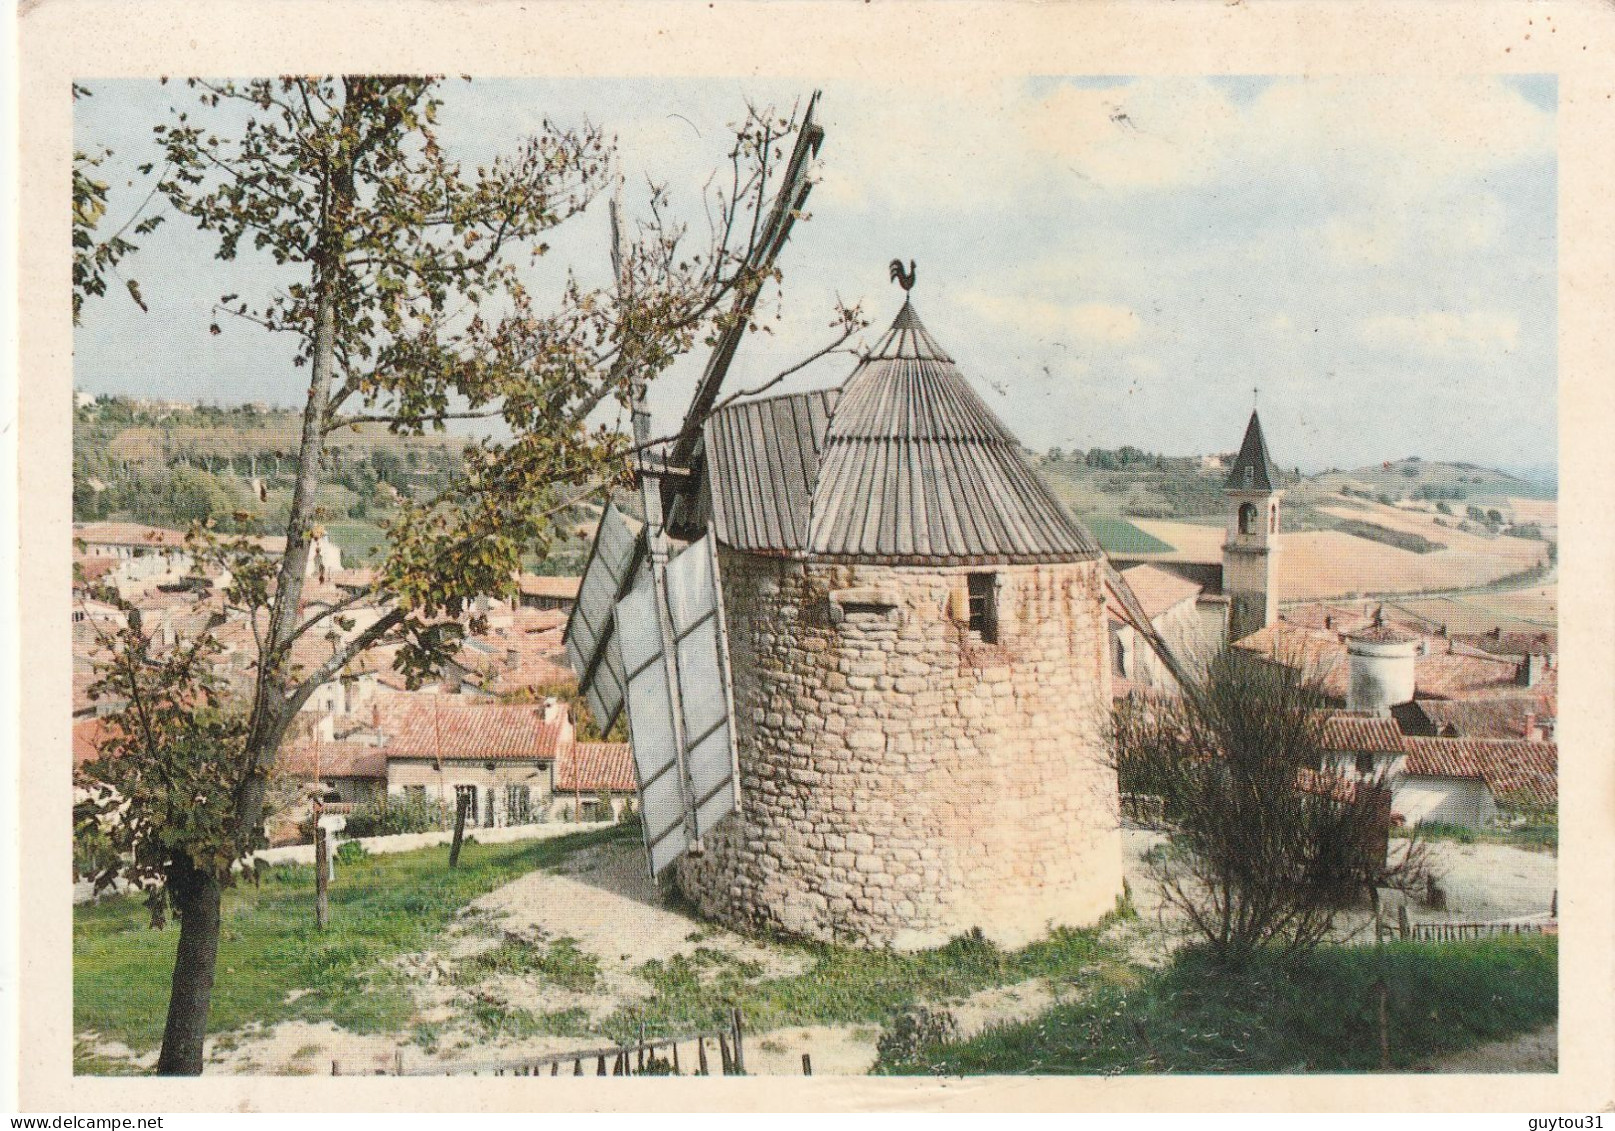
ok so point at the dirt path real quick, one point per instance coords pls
(1529, 1052)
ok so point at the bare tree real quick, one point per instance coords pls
(1270, 839)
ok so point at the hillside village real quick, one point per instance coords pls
(1477, 665)
(1448, 690)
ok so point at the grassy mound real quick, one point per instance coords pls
(381, 907)
(1316, 1013)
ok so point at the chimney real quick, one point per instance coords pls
(513, 657)
(375, 715)
(1529, 671)
(1329, 622)
(1532, 733)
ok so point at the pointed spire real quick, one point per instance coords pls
(1254, 469)
(908, 338)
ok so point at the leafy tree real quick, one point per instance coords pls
(402, 289)
(1269, 839)
(160, 808)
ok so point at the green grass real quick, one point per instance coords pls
(380, 908)
(1537, 836)
(1118, 536)
(358, 541)
(844, 985)
(1316, 1013)
(560, 963)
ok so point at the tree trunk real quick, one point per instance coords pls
(196, 898)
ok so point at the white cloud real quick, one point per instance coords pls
(1440, 331)
(1363, 241)
(1096, 322)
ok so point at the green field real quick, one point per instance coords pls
(360, 542)
(1118, 536)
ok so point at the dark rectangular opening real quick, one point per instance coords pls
(984, 606)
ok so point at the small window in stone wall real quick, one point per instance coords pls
(984, 606)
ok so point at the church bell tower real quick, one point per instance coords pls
(1250, 551)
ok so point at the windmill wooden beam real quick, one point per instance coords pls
(788, 204)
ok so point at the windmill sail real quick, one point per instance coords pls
(684, 792)
(613, 563)
(647, 632)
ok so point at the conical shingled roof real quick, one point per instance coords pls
(916, 468)
(1263, 473)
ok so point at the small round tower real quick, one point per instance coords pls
(921, 682)
(1383, 665)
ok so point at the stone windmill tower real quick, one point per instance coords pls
(863, 656)
(917, 639)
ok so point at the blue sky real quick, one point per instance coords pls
(1111, 260)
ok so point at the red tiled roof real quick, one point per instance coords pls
(127, 534)
(333, 760)
(87, 737)
(1362, 735)
(1500, 716)
(1500, 643)
(361, 578)
(533, 585)
(1316, 652)
(1159, 590)
(588, 767)
(1382, 633)
(1440, 674)
(93, 569)
(1514, 770)
(428, 727)
(1456, 675)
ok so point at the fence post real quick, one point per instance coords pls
(740, 1032)
(1402, 920)
(725, 1061)
(336, 1068)
(1553, 908)
(398, 1062)
(807, 1065)
(701, 1055)
(460, 807)
(322, 878)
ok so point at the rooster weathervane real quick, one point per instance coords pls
(904, 279)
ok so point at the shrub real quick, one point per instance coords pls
(391, 816)
(912, 1031)
(351, 852)
(1268, 844)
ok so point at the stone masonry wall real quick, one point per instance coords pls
(901, 781)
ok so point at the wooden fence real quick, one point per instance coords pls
(723, 1049)
(1454, 932)
(1404, 929)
